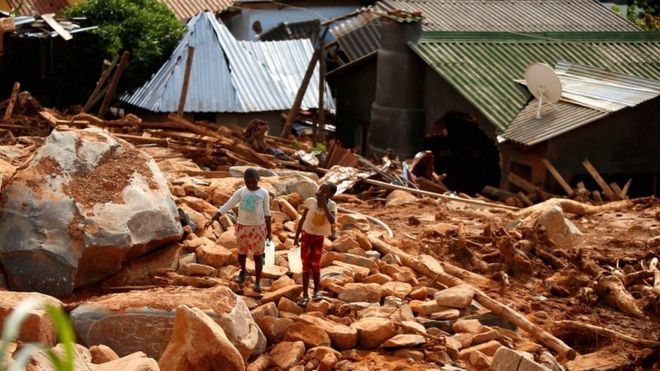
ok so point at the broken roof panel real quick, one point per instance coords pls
(185, 9)
(293, 31)
(588, 94)
(483, 66)
(228, 75)
(358, 36)
(37, 7)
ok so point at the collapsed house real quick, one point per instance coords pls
(231, 81)
(385, 89)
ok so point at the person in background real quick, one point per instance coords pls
(315, 224)
(253, 226)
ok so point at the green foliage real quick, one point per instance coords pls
(11, 329)
(320, 147)
(645, 14)
(146, 28)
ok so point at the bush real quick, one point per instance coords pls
(146, 28)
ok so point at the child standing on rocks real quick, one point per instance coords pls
(315, 224)
(253, 226)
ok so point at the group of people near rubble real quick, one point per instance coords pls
(253, 229)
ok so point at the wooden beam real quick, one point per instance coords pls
(437, 195)
(525, 199)
(597, 196)
(522, 183)
(555, 174)
(293, 113)
(186, 80)
(617, 190)
(93, 98)
(626, 188)
(12, 101)
(609, 193)
(320, 122)
(49, 18)
(112, 88)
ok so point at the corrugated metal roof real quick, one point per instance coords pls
(38, 7)
(513, 15)
(616, 91)
(228, 75)
(359, 37)
(293, 31)
(483, 66)
(185, 9)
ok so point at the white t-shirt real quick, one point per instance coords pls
(253, 207)
(316, 222)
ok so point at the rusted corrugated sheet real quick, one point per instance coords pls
(358, 36)
(37, 7)
(185, 9)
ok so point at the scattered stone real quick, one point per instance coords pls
(282, 282)
(260, 364)
(378, 278)
(140, 270)
(311, 335)
(195, 269)
(429, 307)
(319, 352)
(413, 327)
(479, 360)
(343, 337)
(448, 314)
(418, 293)
(455, 297)
(274, 328)
(486, 336)
(216, 256)
(506, 359)
(291, 292)
(488, 349)
(471, 326)
(328, 362)
(268, 309)
(559, 229)
(318, 306)
(137, 361)
(85, 204)
(392, 301)
(464, 338)
(287, 354)
(37, 327)
(361, 292)
(287, 305)
(373, 331)
(404, 341)
(344, 243)
(353, 221)
(199, 343)
(399, 198)
(102, 354)
(398, 289)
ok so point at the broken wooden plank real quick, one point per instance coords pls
(522, 183)
(609, 193)
(112, 88)
(293, 113)
(602, 331)
(555, 174)
(94, 97)
(50, 19)
(626, 188)
(617, 190)
(525, 199)
(12, 101)
(430, 267)
(597, 196)
(186, 80)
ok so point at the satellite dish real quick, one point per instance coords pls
(543, 83)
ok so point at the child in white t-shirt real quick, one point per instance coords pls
(253, 226)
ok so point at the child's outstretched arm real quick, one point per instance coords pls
(233, 200)
(300, 224)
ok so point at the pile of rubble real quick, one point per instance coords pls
(408, 282)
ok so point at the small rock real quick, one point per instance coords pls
(199, 343)
(282, 282)
(195, 269)
(507, 359)
(372, 254)
(418, 293)
(318, 306)
(398, 289)
(412, 327)
(274, 328)
(488, 349)
(404, 341)
(479, 360)
(360, 292)
(373, 331)
(398, 198)
(343, 337)
(448, 314)
(291, 292)
(471, 326)
(392, 301)
(328, 362)
(287, 305)
(137, 361)
(464, 338)
(102, 354)
(378, 278)
(268, 309)
(260, 364)
(318, 353)
(485, 336)
(287, 354)
(455, 297)
(344, 243)
(216, 256)
(431, 306)
(311, 335)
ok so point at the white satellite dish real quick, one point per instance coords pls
(543, 83)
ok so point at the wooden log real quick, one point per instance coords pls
(50, 19)
(597, 196)
(555, 174)
(497, 194)
(585, 327)
(522, 183)
(430, 267)
(186, 80)
(609, 193)
(437, 195)
(626, 188)
(291, 117)
(12, 101)
(617, 190)
(93, 98)
(114, 83)
(525, 199)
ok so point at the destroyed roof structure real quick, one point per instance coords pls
(185, 9)
(35, 7)
(229, 75)
(484, 67)
(293, 31)
(360, 36)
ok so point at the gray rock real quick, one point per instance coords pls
(86, 203)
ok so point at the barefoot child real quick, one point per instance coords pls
(315, 224)
(253, 224)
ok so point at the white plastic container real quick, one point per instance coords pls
(295, 262)
(270, 254)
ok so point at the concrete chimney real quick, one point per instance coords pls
(397, 114)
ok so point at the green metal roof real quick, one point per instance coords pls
(482, 66)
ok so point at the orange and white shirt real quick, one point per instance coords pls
(317, 222)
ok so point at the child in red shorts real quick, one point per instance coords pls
(315, 224)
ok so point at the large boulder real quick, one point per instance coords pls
(144, 320)
(85, 204)
(560, 230)
(198, 343)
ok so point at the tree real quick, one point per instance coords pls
(146, 28)
(645, 14)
